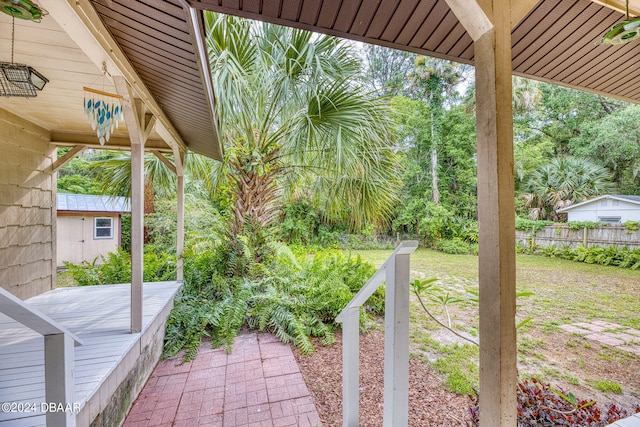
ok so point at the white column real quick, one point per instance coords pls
(180, 228)
(351, 367)
(59, 381)
(135, 118)
(137, 234)
(396, 343)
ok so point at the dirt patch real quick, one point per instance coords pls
(429, 403)
(576, 364)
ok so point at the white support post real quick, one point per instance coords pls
(138, 125)
(351, 367)
(137, 234)
(180, 229)
(59, 373)
(396, 343)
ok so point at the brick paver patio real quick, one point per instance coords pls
(613, 334)
(259, 384)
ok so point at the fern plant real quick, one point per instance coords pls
(294, 297)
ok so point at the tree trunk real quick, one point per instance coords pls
(256, 204)
(435, 193)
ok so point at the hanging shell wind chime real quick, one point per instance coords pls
(103, 110)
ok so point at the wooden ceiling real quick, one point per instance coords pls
(556, 42)
(156, 37)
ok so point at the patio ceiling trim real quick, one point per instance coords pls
(80, 20)
(114, 143)
(198, 32)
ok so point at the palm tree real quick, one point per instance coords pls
(563, 182)
(435, 79)
(291, 112)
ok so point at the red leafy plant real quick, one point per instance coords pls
(541, 405)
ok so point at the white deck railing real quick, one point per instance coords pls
(58, 356)
(395, 272)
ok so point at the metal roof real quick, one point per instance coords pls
(632, 199)
(91, 203)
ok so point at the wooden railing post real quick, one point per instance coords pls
(396, 343)
(396, 359)
(58, 374)
(58, 358)
(351, 367)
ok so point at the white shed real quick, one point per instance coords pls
(88, 226)
(613, 209)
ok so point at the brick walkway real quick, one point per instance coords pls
(259, 385)
(613, 334)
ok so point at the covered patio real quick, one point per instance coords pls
(156, 59)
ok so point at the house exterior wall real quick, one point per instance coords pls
(27, 208)
(76, 239)
(605, 208)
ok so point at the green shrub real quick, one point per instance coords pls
(619, 257)
(456, 246)
(296, 297)
(116, 268)
(526, 224)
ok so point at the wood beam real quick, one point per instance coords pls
(489, 23)
(164, 160)
(496, 220)
(473, 15)
(70, 155)
(149, 125)
(115, 142)
(520, 9)
(198, 36)
(134, 118)
(621, 6)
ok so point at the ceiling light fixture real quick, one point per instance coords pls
(19, 79)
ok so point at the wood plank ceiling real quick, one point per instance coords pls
(556, 41)
(155, 36)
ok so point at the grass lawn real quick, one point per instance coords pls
(564, 292)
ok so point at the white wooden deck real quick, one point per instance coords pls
(99, 315)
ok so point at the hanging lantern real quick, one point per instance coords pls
(103, 110)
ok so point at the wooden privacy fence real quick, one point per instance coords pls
(563, 235)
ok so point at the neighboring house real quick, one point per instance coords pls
(88, 226)
(610, 208)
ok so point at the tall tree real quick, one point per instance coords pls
(387, 69)
(435, 79)
(615, 142)
(562, 111)
(289, 110)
